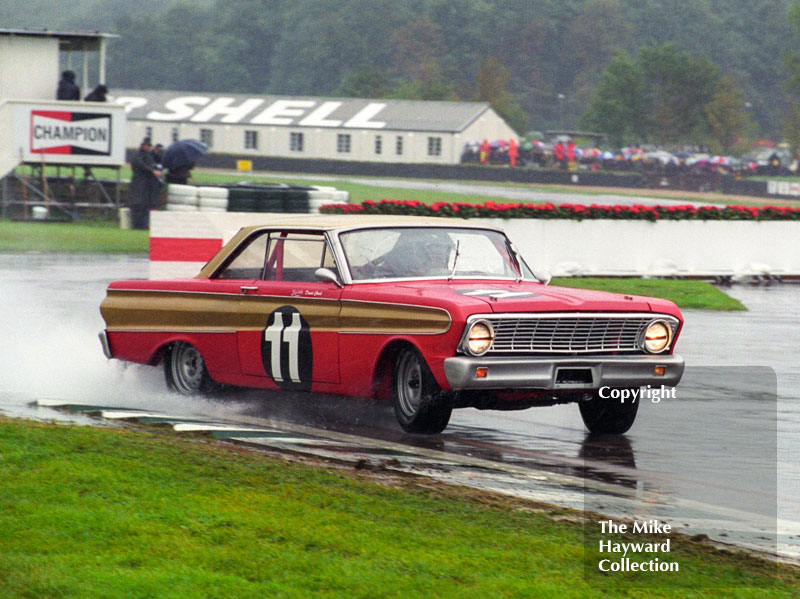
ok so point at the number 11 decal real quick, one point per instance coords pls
(286, 349)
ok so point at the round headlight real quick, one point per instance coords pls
(480, 337)
(657, 336)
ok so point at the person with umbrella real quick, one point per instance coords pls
(180, 157)
(145, 185)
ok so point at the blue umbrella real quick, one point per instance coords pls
(183, 152)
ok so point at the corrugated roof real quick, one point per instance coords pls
(299, 111)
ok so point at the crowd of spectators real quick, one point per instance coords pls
(564, 154)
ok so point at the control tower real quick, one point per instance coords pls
(41, 132)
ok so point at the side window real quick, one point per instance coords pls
(295, 257)
(249, 262)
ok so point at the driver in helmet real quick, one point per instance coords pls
(421, 254)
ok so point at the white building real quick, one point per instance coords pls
(368, 130)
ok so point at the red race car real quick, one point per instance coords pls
(432, 313)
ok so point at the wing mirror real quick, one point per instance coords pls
(543, 276)
(326, 275)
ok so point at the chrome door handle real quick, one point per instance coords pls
(246, 288)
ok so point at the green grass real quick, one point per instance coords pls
(360, 192)
(686, 294)
(88, 512)
(96, 237)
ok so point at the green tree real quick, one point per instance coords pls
(791, 119)
(367, 81)
(728, 121)
(619, 107)
(492, 87)
(662, 97)
(679, 87)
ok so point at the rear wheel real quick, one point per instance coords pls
(419, 403)
(185, 370)
(607, 415)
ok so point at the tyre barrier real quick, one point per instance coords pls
(215, 203)
(280, 198)
(176, 189)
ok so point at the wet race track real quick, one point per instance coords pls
(721, 458)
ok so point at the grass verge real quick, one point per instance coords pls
(686, 294)
(95, 237)
(360, 192)
(88, 512)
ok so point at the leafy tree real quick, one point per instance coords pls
(791, 120)
(367, 81)
(598, 33)
(492, 87)
(619, 106)
(665, 97)
(679, 87)
(728, 120)
(435, 48)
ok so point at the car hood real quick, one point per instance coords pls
(510, 296)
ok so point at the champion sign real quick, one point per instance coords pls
(58, 132)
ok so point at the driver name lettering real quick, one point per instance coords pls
(306, 293)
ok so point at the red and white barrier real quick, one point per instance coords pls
(182, 242)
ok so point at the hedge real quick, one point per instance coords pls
(566, 211)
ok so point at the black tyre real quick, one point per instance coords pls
(607, 415)
(419, 403)
(185, 370)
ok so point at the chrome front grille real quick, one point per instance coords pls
(568, 334)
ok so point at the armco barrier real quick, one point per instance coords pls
(181, 242)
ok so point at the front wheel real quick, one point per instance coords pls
(419, 403)
(185, 370)
(607, 415)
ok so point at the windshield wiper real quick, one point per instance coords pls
(455, 259)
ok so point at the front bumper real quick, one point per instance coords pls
(559, 373)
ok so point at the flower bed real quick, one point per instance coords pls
(566, 211)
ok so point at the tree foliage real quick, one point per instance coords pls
(668, 96)
(436, 48)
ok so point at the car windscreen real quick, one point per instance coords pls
(430, 252)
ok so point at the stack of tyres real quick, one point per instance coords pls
(182, 198)
(296, 201)
(320, 196)
(267, 199)
(212, 199)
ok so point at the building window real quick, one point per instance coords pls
(398, 145)
(207, 137)
(174, 134)
(343, 143)
(251, 140)
(148, 132)
(296, 142)
(378, 144)
(434, 146)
